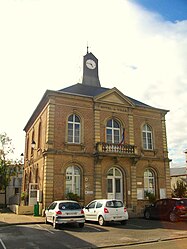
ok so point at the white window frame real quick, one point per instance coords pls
(147, 137)
(149, 181)
(113, 129)
(74, 123)
(74, 178)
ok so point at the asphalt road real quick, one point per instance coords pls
(138, 232)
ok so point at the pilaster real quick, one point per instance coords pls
(50, 124)
(48, 180)
(131, 129)
(97, 125)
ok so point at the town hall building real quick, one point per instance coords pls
(95, 142)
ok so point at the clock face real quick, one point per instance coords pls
(90, 64)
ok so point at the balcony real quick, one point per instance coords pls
(124, 149)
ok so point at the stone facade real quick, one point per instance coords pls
(95, 158)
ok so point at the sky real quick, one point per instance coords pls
(141, 46)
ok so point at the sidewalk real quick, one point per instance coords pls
(9, 218)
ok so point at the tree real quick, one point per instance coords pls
(179, 189)
(7, 167)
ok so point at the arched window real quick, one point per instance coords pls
(32, 149)
(147, 137)
(113, 131)
(36, 176)
(73, 180)
(149, 181)
(73, 129)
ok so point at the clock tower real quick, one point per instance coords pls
(90, 70)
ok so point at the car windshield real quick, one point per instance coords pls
(114, 204)
(69, 206)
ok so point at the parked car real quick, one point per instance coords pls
(63, 212)
(172, 209)
(106, 210)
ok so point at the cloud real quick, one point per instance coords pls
(139, 52)
(163, 78)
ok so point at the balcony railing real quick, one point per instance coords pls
(116, 148)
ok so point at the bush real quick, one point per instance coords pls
(72, 196)
(150, 196)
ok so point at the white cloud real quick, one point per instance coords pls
(139, 53)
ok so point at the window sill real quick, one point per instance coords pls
(145, 152)
(74, 147)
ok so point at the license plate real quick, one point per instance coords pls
(117, 217)
(71, 213)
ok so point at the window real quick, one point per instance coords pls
(91, 205)
(32, 149)
(99, 205)
(149, 181)
(147, 137)
(39, 135)
(52, 205)
(113, 132)
(69, 206)
(73, 129)
(114, 204)
(73, 180)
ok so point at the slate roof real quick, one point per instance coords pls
(178, 171)
(93, 91)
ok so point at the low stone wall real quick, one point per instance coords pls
(22, 209)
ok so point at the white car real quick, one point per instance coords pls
(106, 210)
(63, 212)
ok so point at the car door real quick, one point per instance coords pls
(90, 211)
(165, 207)
(50, 211)
(156, 209)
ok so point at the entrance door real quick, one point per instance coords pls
(33, 193)
(114, 184)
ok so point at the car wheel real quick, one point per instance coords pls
(101, 221)
(81, 225)
(147, 215)
(173, 217)
(123, 222)
(55, 226)
(46, 221)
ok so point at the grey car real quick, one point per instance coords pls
(64, 212)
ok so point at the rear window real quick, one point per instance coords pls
(69, 206)
(114, 204)
(182, 202)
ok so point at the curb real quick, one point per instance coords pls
(21, 223)
(141, 242)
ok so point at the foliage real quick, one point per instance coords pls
(150, 196)
(179, 189)
(5, 146)
(8, 168)
(72, 196)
